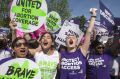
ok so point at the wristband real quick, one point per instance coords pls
(94, 16)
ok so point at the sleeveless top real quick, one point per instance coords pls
(72, 65)
(48, 64)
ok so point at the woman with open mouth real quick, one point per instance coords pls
(20, 49)
(98, 62)
(48, 58)
(73, 61)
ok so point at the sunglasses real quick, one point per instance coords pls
(100, 47)
(20, 44)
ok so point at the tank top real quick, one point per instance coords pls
(48, 64)
(72, 65)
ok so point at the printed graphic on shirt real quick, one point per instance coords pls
(71, 64)
(47, 68)
(96, 61)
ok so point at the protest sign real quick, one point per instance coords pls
(100, 30)
(68, 28)
(19, 33)
(40, 31)
(20, 68)
(28, 14)
(53, 22)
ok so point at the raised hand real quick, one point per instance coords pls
(93, 11)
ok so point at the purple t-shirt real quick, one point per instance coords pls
(98, 66)
(73, 65)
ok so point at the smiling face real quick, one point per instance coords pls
(46, 41)
(20, 48)
(71, 41)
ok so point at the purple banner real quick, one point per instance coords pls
(106, 17)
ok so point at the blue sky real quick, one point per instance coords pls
(80, 7)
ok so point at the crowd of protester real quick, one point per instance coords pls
(90, 59)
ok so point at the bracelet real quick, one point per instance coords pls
(94, 16)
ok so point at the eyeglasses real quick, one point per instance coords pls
(20, 44)
(100, 47)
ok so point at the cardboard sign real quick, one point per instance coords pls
(28, 14)
(68, 28)
(53, 22)
(20, 68)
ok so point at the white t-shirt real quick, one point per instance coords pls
(48, 64)
(115, 67)
(4, 54)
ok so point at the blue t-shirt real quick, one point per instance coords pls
(98, 66)
(73, 65)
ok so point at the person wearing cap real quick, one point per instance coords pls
(73, 61)
(4, 49)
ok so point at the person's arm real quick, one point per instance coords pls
(94, 34)
(85, 46)
(12, 25)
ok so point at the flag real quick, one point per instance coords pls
(106, 17)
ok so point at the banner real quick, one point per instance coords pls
(53, 22)
(106, 17)
(100, 31)
(28, 14)
(20, 68)
(68, 28)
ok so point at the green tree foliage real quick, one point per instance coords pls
(4, 13)
(81, 20)
(60, 6)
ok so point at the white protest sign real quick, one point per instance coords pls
(68, 28)
(53, 22)
(104, 39)
(20, 68)
(100, 30)
(28, 14)
(103, 33)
